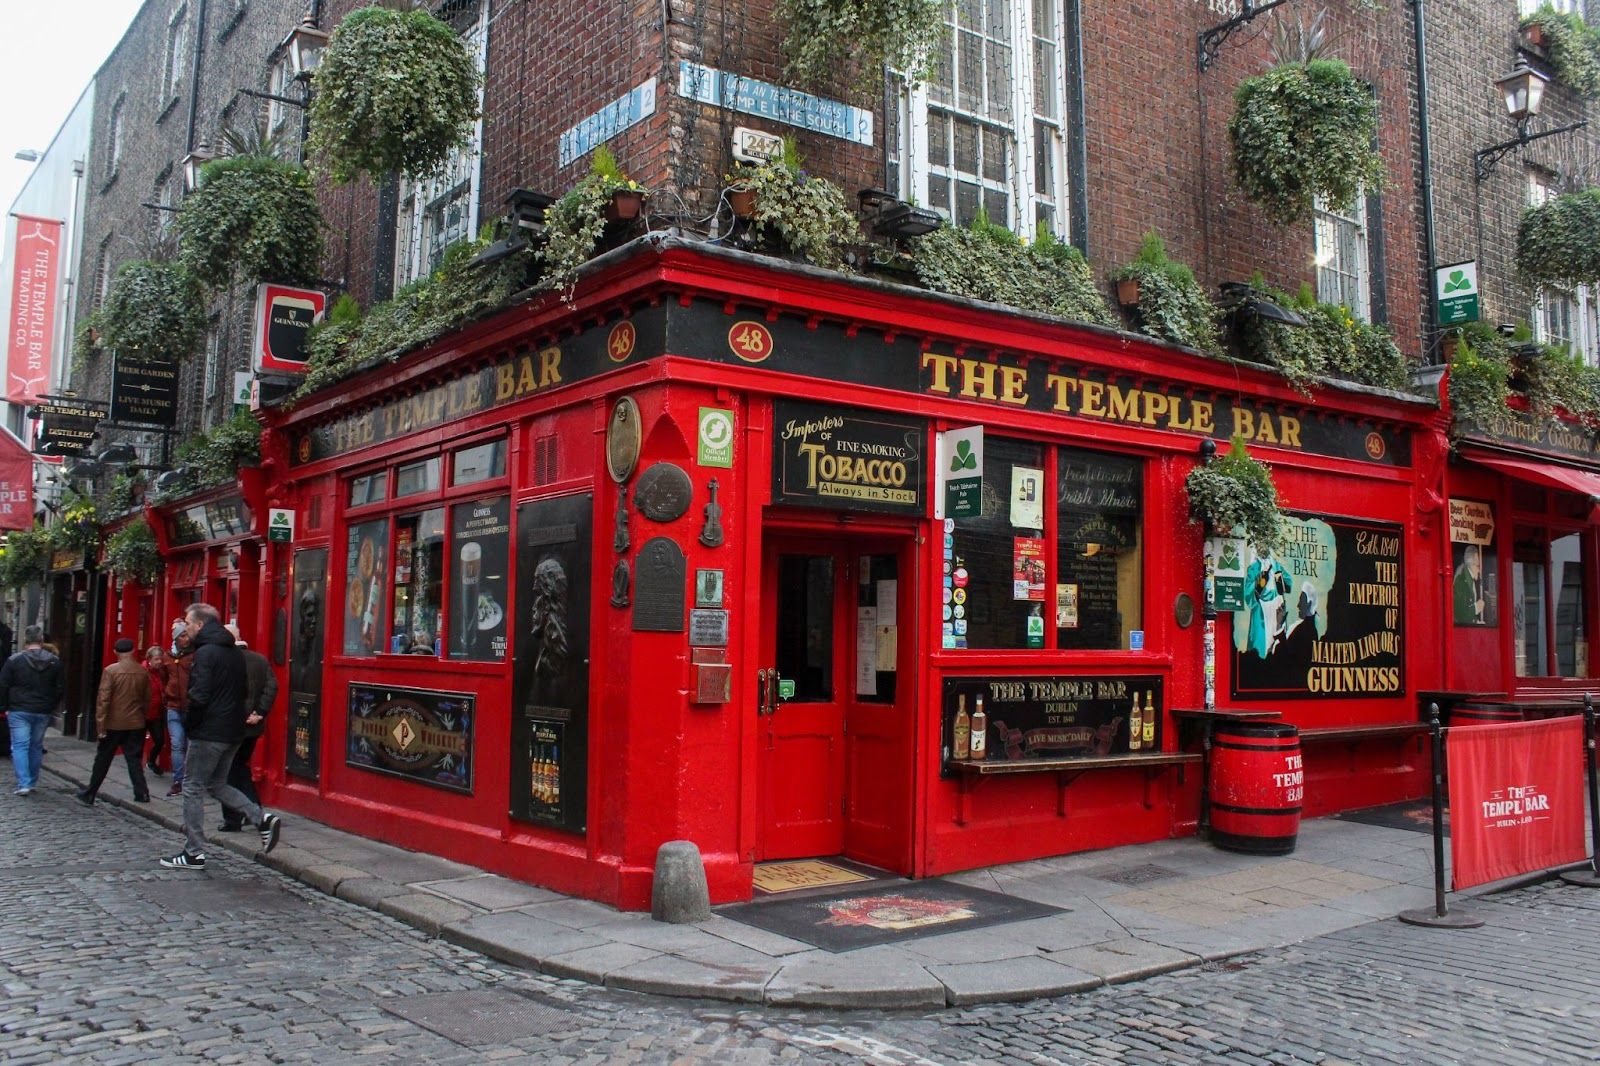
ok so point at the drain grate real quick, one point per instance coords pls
(1131, 875)
(477, 1019)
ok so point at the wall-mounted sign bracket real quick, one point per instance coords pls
(1211, 40)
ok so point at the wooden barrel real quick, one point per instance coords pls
(1466, 714)
(1257, 787)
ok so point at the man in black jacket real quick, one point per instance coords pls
(261, 692)
(215, 721)
(31, 683)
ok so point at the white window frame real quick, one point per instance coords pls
(177, 54)
(910, 156)
(213, 374)
(1327, 251)
(283, 119)
(1568, 318)
(416, 245)
(102, 274)
(114, 137)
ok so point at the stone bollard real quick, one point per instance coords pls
(679, 895)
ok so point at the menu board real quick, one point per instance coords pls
(366, 570)
(1055, 716)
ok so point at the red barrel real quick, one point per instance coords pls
(1466, 714)
(1257, 787)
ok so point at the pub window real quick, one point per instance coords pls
(1099, 592)
(1549, 600)
(369, 488)
(997, 577)
(418, 583)
(481, 462)
(366, 577)
(417, 477)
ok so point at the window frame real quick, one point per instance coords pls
(916, 109)
(176, 54)
(1580, 306)
(1551, 525)
(1328, 223)
(114, 131)
(394, 507)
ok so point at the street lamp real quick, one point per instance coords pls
(193, 163)
(28, 155)
(305, 44)
(1523, 92)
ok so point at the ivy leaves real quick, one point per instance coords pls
(988, 262)
(1302, 131)
(253, 217)
(1558, 242)
(397, 91)
(1236, 492)
(156, 309)
(827, 37)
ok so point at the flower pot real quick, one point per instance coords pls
(1533, 36)
(1128, 292)
(742, 202)
(624, 205)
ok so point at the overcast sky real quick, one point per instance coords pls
(51, 50)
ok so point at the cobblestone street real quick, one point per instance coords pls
(107, 958)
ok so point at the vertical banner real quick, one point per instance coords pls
(16, 483)
(550, 665)
(36, 264)
(480, 553)
(1516, 799)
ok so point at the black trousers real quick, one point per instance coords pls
(239, 778)
(131, 743)
(158, 736)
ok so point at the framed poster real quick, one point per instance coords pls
(480, 570)
(413, 733)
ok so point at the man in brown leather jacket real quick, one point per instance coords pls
(119, 712)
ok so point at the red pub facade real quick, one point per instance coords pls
(678, 559)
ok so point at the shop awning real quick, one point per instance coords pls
(1548, 475)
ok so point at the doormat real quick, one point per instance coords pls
(885, 914)
(1415, 815)
(773, 878)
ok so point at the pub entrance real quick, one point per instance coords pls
(836, 698)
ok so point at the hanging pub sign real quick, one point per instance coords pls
(16, 484)
(67, 424)
(1052, 717)
(144, 392)
(412, 733)
(1324, 616)
(284, 317)
(846, 459)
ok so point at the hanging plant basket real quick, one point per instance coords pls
(155, 310)
(833, 42)
(1235, 493)
(1302, 131)
(396, 91)
(252, 218)
(1558, 242)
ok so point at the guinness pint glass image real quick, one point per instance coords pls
(471, 572)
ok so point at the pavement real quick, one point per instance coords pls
(1129, 913)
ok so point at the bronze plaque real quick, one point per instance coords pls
(622, 439)
(664, 492)
(659, 582)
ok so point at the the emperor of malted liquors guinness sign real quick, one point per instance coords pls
(284, 317)
(847, 459)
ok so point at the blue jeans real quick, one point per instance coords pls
(27, 745)
(209, 775)
(180, 744)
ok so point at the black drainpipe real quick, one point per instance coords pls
(1419, 32)
(1077, 130)
(194, 74)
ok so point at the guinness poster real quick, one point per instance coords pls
(413, 733)
(480, 552)
(845, 459)
(550, 664)
(1323, 617)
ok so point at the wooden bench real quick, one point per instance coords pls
(1067, 770)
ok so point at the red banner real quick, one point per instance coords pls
(16, 483)
(1516, 799)
(36, 261)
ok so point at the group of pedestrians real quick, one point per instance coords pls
(216, 695)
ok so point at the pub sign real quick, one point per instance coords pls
(847, 459)
(284, 317)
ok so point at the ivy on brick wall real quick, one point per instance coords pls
(856, 39)
(396, 91)
(984, 261)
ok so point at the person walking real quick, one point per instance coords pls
(177, 698)
(260, 693)
(119, 712)
(31, 684)
(214, 721)
(155, 664)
